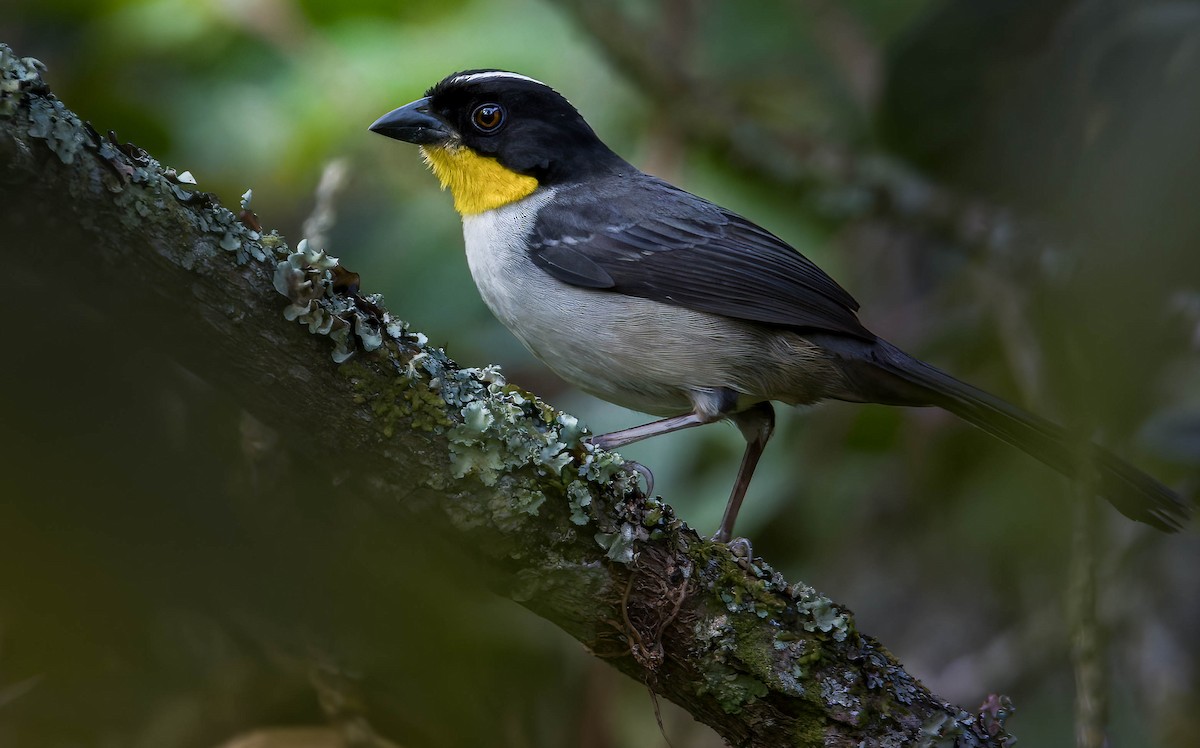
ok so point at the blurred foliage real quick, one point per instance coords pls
(1081, 116)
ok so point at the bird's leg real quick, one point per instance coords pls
(756, 423)
(615, 439)
(620, 438)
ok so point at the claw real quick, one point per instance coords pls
(739, 547)
(607, 442)
(637, 467)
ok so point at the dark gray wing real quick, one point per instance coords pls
(643, 237)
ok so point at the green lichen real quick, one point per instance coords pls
(398, 402)
(603, 467)
(501, 429)
(619, 546)
(508, 509)
(731, 690)
(752, 649)
(58, 126)
(810, 732)
(715, 632)
(17, 74)
(579, 500)
(570, 430)
(68, 138)
(942, 730)
(782, 653)
(354, 324)
(838, 693)
(744, 647)
(792, 657)
(740, 593)
(493, 429)
(904, 688)
(821, 612)
(496, 431)
(653, 512)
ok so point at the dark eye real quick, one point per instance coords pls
(488, 117)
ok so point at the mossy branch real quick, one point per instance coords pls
(763, 661)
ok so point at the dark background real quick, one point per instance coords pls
(1008, 186)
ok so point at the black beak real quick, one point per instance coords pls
(414, 123)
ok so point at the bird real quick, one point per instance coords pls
(645, 295)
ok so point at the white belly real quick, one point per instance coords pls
(645, 355)
(593, 339)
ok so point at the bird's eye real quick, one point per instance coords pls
(488, 117)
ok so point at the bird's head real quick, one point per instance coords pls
(493, 137)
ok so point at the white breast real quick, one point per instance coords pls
(639, 353)
(583, 335)
(499, 261)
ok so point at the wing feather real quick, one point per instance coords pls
(649, 239)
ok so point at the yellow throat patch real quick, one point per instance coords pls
(478, 183)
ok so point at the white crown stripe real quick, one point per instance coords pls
(472, 77)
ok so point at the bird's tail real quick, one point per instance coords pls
(886, 374)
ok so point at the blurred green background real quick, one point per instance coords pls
(1009, 186)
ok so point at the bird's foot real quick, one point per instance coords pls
(637, 468)
(609, 442)
(739, 547)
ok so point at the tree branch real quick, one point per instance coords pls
(765, 662)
